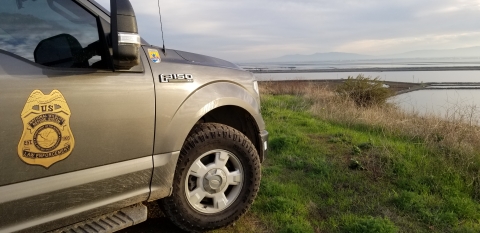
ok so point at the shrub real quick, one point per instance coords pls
(364, 91)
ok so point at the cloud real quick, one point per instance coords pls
(240, 30)
(404, 44)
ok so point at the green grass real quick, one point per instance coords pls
(323, 176)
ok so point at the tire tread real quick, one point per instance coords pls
(211, 133)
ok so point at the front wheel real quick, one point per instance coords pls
(216, 179)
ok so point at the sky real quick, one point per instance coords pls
(245, 30)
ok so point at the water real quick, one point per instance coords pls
(397, 76)
(371, 63)
(449, 104)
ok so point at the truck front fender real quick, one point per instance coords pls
(200, 103)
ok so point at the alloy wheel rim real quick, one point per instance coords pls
(214, 181)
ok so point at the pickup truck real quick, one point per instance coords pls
(95, 122)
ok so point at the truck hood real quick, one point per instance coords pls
(206, 60)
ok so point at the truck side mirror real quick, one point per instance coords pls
(125, 38)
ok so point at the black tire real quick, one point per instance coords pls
(203, 139)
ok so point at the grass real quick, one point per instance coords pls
(335, 167)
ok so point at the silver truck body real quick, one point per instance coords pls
(128, 129)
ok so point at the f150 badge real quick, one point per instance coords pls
(47, 137)
(176, 78)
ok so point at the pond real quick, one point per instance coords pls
(449, 104)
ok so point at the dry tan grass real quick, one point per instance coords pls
(458, 135)
(290, 87)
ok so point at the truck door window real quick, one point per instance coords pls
(56, 33)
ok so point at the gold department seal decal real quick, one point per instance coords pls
(47, 137)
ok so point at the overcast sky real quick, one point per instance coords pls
(256, 29)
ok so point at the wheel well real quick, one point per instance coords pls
(239, 119)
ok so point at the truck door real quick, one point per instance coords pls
(76, 138)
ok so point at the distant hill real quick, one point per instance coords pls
(333, 56)
(338, 56)
(459, 52)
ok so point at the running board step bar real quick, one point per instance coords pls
(109, 222)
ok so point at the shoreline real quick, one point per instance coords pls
(374, 69)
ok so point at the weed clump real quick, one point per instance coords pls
(364, 91)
